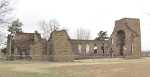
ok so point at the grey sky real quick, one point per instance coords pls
(94, 15)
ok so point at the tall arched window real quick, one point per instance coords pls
(121, 41)
(79, 48)
(87, 48)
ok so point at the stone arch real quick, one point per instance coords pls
(80, 48)
(95, 48)
(129, 29)
(87, 48)
(121, 41)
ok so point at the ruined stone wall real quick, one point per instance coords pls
(61, 49)
(131, 29)
(36, 51)
(39, 49)
(125, 41)
(49, 50)
(85, 48)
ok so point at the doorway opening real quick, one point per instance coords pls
(121, 41)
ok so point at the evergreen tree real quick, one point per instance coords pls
(15, 27)
(102, 36)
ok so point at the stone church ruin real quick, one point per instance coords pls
(126, 38)
(125, 41)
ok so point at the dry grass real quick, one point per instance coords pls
(79, 68)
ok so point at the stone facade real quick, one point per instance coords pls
(61, 46)
(26, 46)
(126, 38)
(85, 48)
(125, 41)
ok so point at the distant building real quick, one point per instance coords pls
(145, 54)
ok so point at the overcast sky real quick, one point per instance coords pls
(94, 15)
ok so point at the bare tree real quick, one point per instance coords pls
(47, 27)
(1, 38)
(5, 9)
(83, 34)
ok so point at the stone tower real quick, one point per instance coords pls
(61, 49)
(126, 38)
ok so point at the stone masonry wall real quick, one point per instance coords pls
(61, 46)
(131, 29)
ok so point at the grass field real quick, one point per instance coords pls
(79, 68)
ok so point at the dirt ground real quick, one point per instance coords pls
(80, 68)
